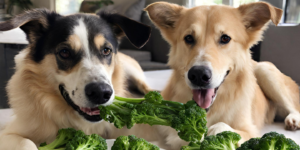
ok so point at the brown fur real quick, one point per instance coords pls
(252, 93)
(74, 42)
(99, 41)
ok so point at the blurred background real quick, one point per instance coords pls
(281, 44)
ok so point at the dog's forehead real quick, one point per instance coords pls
(211, 15)
(215, 20)
(216, 12)
(85, 26)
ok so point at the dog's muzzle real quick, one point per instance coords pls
(90, 114)
(203, 93)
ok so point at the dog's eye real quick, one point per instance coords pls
(64, 53)
(106, 51)
(189, 39)
(225, 39)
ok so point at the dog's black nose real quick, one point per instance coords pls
(200, 75)
(98, 93)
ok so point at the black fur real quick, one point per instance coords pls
(46, 30)
(137, 33)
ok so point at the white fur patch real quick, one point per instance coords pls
(81, 31)
(218, 128)
(292, 121)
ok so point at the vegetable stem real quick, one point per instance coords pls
(130, 100)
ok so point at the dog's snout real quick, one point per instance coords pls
(98, 93)
(200, 75)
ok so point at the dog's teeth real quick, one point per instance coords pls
(90, 111)
(96, 112)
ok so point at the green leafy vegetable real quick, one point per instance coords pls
(131, 142)
(62, 138)
(191, 146)
(250, 144)
(270, 141)
(222, 141)
(70, 139)
(188, 119)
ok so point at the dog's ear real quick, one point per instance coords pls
(256, 15)
(34, 23)
(137, 33)
(163, 14)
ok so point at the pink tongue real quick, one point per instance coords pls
(90, 111)
(203, 97)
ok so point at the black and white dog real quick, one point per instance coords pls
(70, 67)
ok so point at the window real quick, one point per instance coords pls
(234, 3)
(292, 12)
(66, 7)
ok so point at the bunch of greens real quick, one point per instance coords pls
(270, 141)
(191, 146)
(188, 119)
(228, 141)
(131, 142)
(70, 139)
(223, 141)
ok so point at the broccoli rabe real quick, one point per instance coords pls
(62, 138)
(131, 142)
(188, 119)
(190, 122)
(250, 144)
(90, 142)
(222, 141)
(121, 143)
(151, 110)
(191, 146)
(270, 141)
(70, 139)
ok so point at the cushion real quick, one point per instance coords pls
(138, 55)
(151, 65)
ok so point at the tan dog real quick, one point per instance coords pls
(70, 67)
(212, 64)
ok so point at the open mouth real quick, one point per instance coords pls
(205, 97)
(90, 114)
